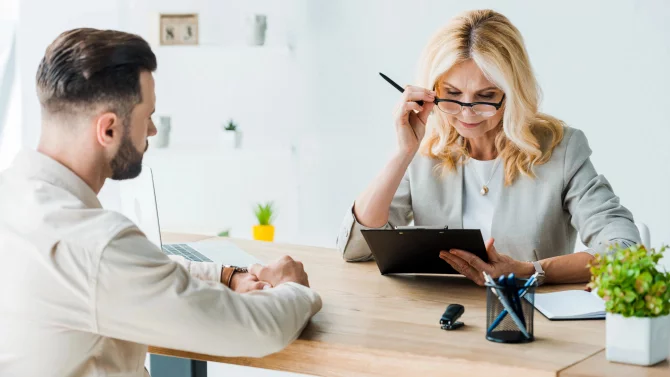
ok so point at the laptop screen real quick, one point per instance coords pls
(138, 203)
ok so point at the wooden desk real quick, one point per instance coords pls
(598, 366)
(373, 325)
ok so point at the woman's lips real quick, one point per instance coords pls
(469, 125)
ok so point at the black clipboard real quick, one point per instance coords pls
(416, 250)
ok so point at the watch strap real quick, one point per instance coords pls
(227, 275)
(228, 272)
(540, 272)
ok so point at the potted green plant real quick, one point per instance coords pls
(230, 136)
(265, 214)
(637, 301)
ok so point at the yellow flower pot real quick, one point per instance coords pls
(264, 232)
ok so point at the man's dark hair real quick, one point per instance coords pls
(87, 67)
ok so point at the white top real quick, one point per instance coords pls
(478, 208)
(82, 290)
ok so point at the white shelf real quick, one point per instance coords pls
(215, 152)
(226, 51)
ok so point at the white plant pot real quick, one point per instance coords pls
(640, 341)
(162, 138)
(256, 27)
(230, 139)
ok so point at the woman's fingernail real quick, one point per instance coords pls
(267, 286)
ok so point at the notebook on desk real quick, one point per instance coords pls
(570, 305)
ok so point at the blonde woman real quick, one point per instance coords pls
(490, 160)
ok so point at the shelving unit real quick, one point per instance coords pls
(201, 186)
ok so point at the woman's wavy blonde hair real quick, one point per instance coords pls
(527, 137)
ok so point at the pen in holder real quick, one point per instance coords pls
(510, 310)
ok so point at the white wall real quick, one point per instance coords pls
(10, 94)
(9, 10)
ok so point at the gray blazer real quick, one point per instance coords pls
(534, 218)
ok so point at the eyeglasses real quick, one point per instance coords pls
(485, 109)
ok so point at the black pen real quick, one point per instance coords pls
(400, 88)
(516, 300)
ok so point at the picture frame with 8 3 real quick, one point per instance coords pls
(179, 29)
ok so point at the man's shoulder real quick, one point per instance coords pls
(97, 228)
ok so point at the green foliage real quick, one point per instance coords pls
(265, 213)
(230, 126)
(631, 282)
(224, 233)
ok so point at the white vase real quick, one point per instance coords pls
(162, 138)
(229, 139)
(634, 340)
(256, 27)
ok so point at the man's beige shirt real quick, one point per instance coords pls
(83, 292)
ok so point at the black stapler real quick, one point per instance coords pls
(449, 317)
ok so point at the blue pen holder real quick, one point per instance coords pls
(502, 327)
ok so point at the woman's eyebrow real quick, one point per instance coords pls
(449, 85)
(478, 91)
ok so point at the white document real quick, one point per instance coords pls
(570, 305)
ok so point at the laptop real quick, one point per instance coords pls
(139, 204)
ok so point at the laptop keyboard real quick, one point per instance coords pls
(185, 251)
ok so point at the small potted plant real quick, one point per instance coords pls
(637, 301)
(265, 214)
(230, 137)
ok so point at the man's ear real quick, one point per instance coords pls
(108, 129)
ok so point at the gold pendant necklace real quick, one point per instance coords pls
(485, 187)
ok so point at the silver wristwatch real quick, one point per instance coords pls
(540, 272)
